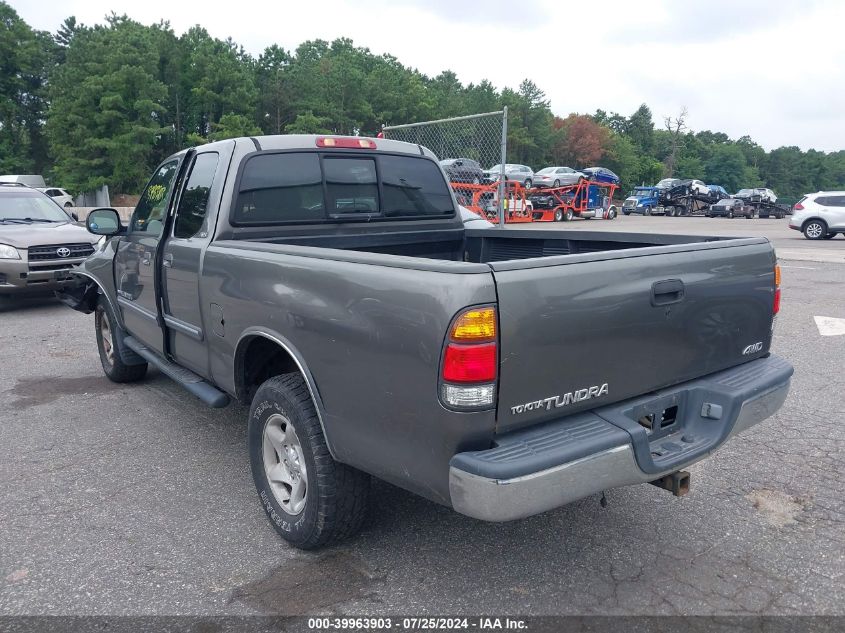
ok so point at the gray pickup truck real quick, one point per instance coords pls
(330, 284)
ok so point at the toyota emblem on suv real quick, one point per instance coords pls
(64, 251)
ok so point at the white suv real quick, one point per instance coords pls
(819, 215)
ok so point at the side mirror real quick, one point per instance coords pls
(104, 221)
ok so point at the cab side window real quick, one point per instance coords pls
(150, 213)
(193, 204)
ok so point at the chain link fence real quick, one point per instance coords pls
(472, 150)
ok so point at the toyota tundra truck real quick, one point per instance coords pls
(329, 284)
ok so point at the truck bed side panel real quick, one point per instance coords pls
(567, 328)
(371, 336)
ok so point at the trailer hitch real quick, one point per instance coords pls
(677, 483)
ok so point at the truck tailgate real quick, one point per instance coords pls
(583, 331)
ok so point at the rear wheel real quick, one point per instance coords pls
(310, 499)
(556, 183)
(730, 214)
(528, 183)
(569, 215)
(558, 215)
(114, 368)
(611, 213)
(815, 230)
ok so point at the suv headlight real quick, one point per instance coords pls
(9, 252)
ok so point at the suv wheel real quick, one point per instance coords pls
(815, 230)
(113, 367)
(310, 499)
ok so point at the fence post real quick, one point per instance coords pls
(502, 188)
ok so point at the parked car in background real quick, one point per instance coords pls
(30, 180)
(557, 177)
(744, 194)
(519, 173)
(462, 170)
(730, 208)
(39, 242)
(695, 186)
(761, 194)
(668, 183)
(819, 216)
(717, 192)
(601, 174)
(59, 196)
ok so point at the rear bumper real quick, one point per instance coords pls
(538, 469)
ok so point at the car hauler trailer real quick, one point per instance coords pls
(585, 199)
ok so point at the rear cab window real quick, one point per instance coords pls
(312, 187)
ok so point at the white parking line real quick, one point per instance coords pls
(801, 267)
(830, 326)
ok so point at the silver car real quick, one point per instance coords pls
(40, 243)
(519, 173)
(557, 177)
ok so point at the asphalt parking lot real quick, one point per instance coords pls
(138, 500)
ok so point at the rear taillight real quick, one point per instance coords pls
(798, 207)
(776, 299)
(346, 142)
(470, 363)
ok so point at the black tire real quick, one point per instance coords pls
(611, 214)
(556, 184)
(558, 215)
(68, 205)
(569, 216)
(670, 211)
(830, 236)
(114, 368)
(731, 214)
(814, 230)
(528, 182)
(336, 495)
(476, 180)
(647, 211)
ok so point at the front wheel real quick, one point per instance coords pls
(647, 211)
(611, 214)
(528, 183)
(113, 366)
(556, 184)
(310, 499)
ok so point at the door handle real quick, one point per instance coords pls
(168, 260)
(146, 258)
(666, 292)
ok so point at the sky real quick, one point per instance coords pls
(770, 69)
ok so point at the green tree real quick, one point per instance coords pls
(106, 107)
(26, 57)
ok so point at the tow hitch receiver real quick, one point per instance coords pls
(677, 483)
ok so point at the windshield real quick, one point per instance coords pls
(30, 207)
(666, 182)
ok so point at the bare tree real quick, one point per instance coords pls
(676, 127)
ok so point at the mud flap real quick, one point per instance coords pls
(80, 295)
